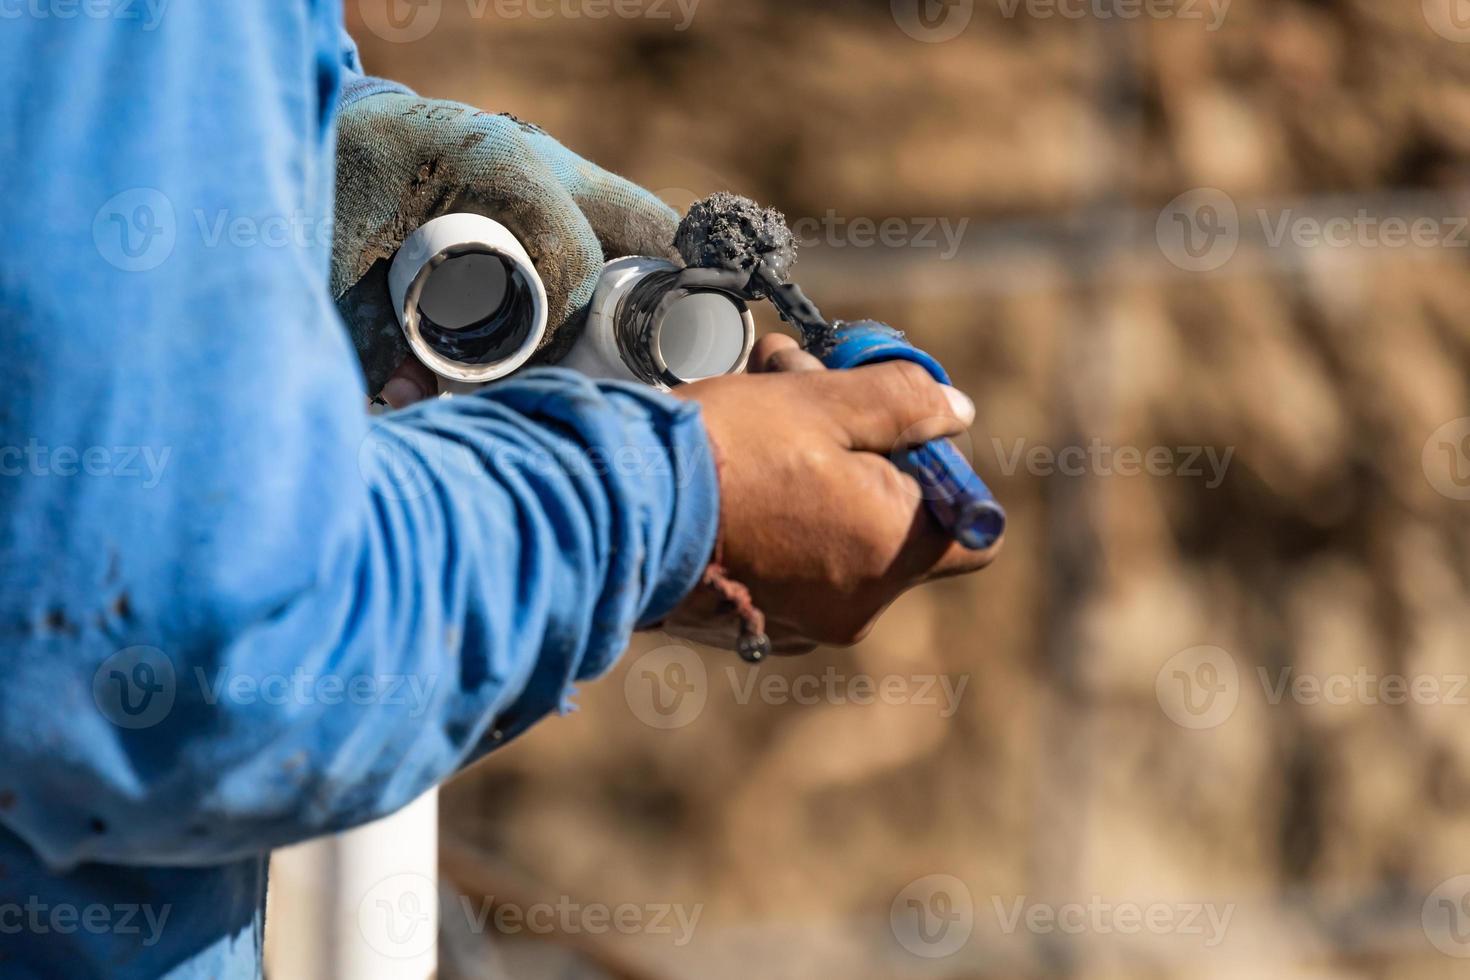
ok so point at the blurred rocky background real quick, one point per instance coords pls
(1204, 269)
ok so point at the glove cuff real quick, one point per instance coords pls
(356, 89)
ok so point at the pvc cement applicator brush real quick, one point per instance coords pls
(733, 244)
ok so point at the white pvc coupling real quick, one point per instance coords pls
(468, 297)
(697, 335)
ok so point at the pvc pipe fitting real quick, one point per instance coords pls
(643, 327)
(468, 297)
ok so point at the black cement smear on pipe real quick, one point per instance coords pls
(729, 242)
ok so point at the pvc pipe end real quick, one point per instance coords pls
(468, 298)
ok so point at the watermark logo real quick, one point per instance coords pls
(1198, 688)
(406, 21)
(1199, 230)
(941, 692)
(36, 917)
(1100, 916)
(301, 687)
(933, 21)
(139, 230)
(136, 230)
(1446, 917)
(400, 21)
(1205, 463)
(147, 12)
(399, 916)
(681, 12)
(837, 231)
(1450, 19)
(135, 687)
(667, 688)
(1211, 12)
(571, 918)
(933, 917)
(1363, 687)
(1201, 688)
(145, 464)
(1446, 459)
(298, 229)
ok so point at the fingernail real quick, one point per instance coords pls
(960, 404)
(400, 392)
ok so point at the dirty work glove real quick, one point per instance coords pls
(403, 160)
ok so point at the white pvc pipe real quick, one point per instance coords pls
(363, 905)
(703, 336)
(457, 270)
(596, 352)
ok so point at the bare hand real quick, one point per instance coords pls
(815, 518)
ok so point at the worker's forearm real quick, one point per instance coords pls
(333, 618)
(502, 547)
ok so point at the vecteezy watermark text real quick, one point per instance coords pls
(1363, 686)
(833, 230)
(939, 691)
(1211, 12)
(668, 688)
(136, 688)
(40, 918)
(934, 916)
(148, 12)
(398, 915)
(1201, 229)
(680, 12)
(1100, 459)
(568, 917)
(1201, 687)
(302, 687)
(937, 21)
(406, 21)
(1098, 916)
(144, 463)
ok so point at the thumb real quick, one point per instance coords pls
(883, 407)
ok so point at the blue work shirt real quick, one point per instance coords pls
(235, 611)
